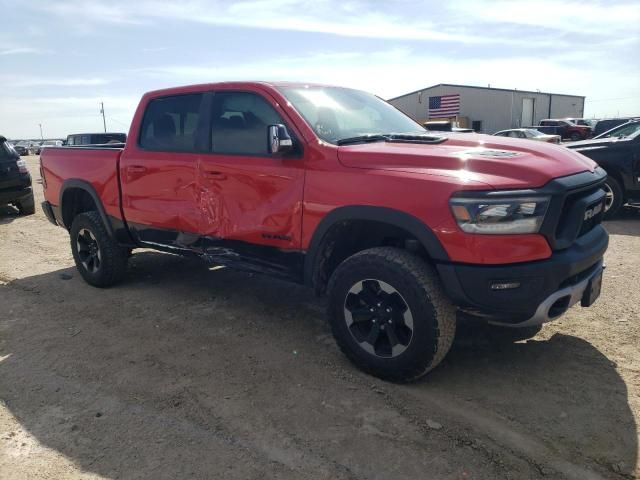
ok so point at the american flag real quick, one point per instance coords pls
(444, 106)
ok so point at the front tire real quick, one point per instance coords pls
(389, 314)
(614, 197)
(98, 257)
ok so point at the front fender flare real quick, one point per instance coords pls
(397, 218)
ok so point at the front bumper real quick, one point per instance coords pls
(15, 195)
(546, 288)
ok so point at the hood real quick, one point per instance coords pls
(498, 161)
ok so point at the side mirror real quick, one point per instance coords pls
(278, 139)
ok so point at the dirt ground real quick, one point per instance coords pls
(185, 372)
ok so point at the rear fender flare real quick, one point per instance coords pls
(87, 187)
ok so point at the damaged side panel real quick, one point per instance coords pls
(252, 199)
(285, 264)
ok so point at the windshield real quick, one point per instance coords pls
(533, 133)
(625, 130)
(337, 113)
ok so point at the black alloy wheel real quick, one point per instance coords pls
(378, 318)
(88, 250)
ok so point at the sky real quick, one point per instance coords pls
(60, 58)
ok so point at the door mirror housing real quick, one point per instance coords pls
(279, 140)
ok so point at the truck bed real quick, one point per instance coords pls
(97, 165)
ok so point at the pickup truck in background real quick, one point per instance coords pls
(336, 189)
(81, 139)
(566, 129)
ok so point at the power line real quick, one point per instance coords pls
(609, 99)
(119, 122)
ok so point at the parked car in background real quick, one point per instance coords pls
(623, 130)
(564, 128)
(50, 143)
(607, 124)
(445, 126)
(587, 122)
(619, 155)
(529, 134)
(15, 180)
(22, 148)
(95, 139)
(37, 147)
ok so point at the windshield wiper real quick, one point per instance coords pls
(372, 137)
(393, 137)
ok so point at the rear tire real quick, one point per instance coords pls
(389, 314)
(614, 199)
(27, 207)
(98, 257)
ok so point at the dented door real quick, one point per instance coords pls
(246, 194)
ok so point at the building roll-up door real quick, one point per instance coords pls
(527, 112)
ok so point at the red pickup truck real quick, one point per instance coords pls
(336, 189)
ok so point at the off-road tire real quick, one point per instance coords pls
(618, 197)
(434, 316)
(27, 207)
(113, 262)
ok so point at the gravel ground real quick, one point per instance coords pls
(186, 372)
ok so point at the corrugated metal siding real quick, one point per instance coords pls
(497, 109)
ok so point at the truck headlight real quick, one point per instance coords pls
(501, 216)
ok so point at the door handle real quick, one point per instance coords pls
(136, 169)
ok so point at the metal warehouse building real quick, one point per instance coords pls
(487, 109)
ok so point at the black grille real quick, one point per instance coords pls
(588, 224)
(574, 204)
(575, 221)
(571, 197)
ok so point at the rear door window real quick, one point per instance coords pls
(171, 123)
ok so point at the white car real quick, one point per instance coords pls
(530, 134)
(50, 143)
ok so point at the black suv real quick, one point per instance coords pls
(618, 152)
(15, 180)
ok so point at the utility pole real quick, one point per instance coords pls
(104, 122)
(41, 137)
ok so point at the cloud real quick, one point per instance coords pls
(19, 117)
(601, 19)
(393, 72)
(457, 22)
(24, 81)
(19, 51)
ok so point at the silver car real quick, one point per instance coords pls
(529, 134)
